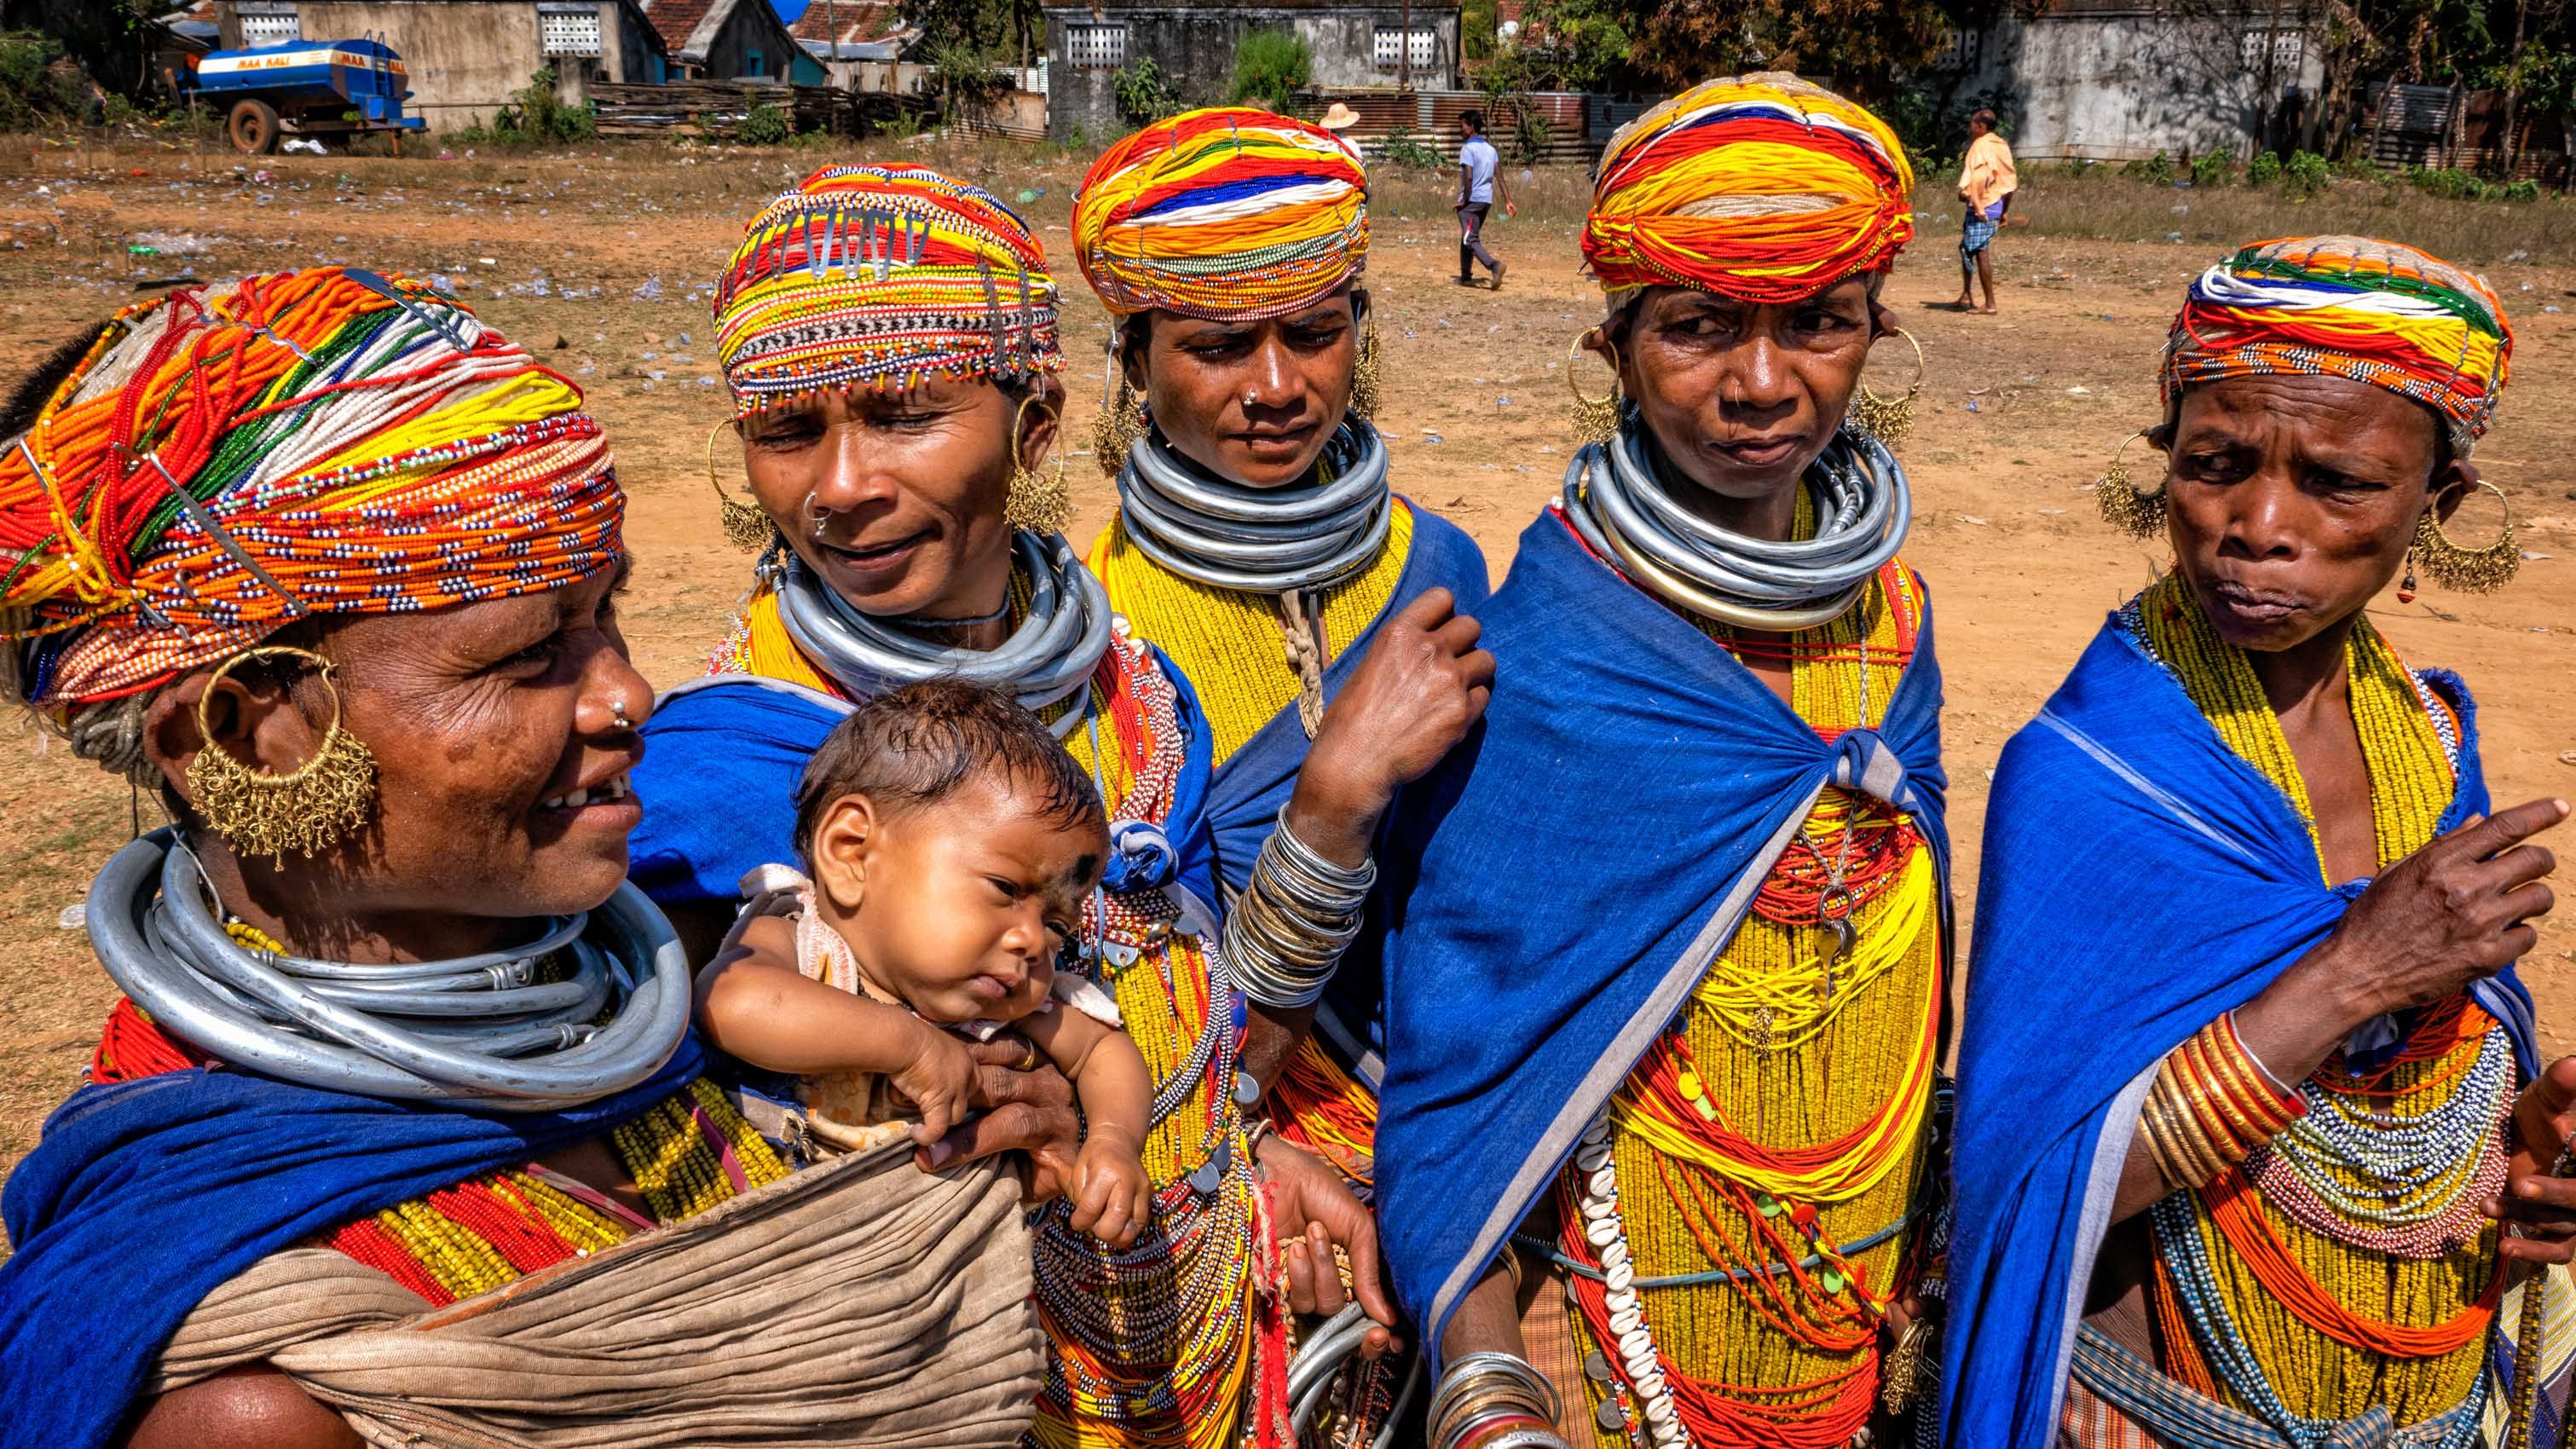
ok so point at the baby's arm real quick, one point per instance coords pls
(1112, 1198)
(753, 1003)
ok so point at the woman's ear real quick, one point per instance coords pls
(1134, 338)
(845, 840)
(257, 722)
(1039, 425)
(2449, 487)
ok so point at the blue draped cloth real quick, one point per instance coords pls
(1254, 781)
(145, 1196)
(723, 755)
(2139, 878)
(1557, 887)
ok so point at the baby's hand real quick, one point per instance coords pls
(1112, 1198)
(937, 1082)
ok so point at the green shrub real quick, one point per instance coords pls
(2524, 190)
(1530, 134)
(1144, 97)
(2156, 170)
(2080, 167)
(2265, 170)
(2305, 174)
(1405, 149)
(1270, 68)
(763, 125)
(544, 117)
(2209, 168)
(38, 85)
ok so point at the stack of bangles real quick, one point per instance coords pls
(2212, 1104)
(1294, 920)
(1494, 1401)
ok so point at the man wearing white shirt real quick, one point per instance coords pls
(1479, 174)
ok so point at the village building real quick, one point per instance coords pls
(465, 59)
(731, 40)
(2119, 80)
(863, 45)
(1192, 47)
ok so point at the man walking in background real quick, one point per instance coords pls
(1986, 184)
(1479, 172)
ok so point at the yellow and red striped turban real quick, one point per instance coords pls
(1760, 187)
(228, 459)
(2345, 306)
(1227, 213)
(878, 275)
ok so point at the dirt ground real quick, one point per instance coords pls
(611, 257)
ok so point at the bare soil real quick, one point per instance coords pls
(604, 261)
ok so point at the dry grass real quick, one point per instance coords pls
(2104, 206)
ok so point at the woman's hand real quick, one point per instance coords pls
(1027, 1107)
(1315, 1212)
(1422, 686)
(2456, 911)
(939, 1082)
(2539, 1207)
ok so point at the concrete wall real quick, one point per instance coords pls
(1194, 49)
(2117, 87)
(466, 59)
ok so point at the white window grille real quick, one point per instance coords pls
(273, 26)
(1095, 47)
(1959, 50)
(2288, 48)
(1389, 46)
(568, 32)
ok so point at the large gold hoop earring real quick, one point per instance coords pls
(1115, 429)
(308, 809)
(1038, 503)
(2139, 515)
(1366, 384)
(1596, 420)
(2468, 570)
(1890, 421)
(746, 527)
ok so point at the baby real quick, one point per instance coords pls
(951, 843)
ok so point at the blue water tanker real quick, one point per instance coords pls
(316, 88)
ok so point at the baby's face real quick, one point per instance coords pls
(963, 904)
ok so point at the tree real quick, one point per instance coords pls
(1270, 68)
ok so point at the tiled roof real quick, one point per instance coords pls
(677, 20)
(847, 22)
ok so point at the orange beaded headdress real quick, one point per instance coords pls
(865, 276)
(231, 458)
(1227, 213)
(1762, 187)
(2374, 311)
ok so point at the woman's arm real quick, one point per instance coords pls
(2456, 911)
(251, 1407)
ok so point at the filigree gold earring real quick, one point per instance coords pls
(306, 810)
(1038, 503)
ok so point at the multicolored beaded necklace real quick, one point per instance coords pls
(1737, 1219)
(2345, 1264)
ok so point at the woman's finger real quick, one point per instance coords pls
(1301, 1278)
(1329, 1295)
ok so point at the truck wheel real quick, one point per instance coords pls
(253, 127)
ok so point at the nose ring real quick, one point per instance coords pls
(1248, 396)
(617, 715)
(815, 517)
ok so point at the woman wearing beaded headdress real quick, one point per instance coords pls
(1258, 540)
(2237, 1131)
(890, 338)
(400, 1114)
(1691, 886)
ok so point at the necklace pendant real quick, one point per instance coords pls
(1846, 936)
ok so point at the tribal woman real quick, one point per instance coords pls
(1257, 538)
(890, 339)
(400, 1115)
(2256, 1146)
(1664, 989)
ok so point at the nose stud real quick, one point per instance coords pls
(1248, 396)
(617, 715)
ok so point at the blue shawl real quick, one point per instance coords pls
(723, 755)
(1560, 884)
(1254, 781)
(145, 1196)
(2139, 878)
